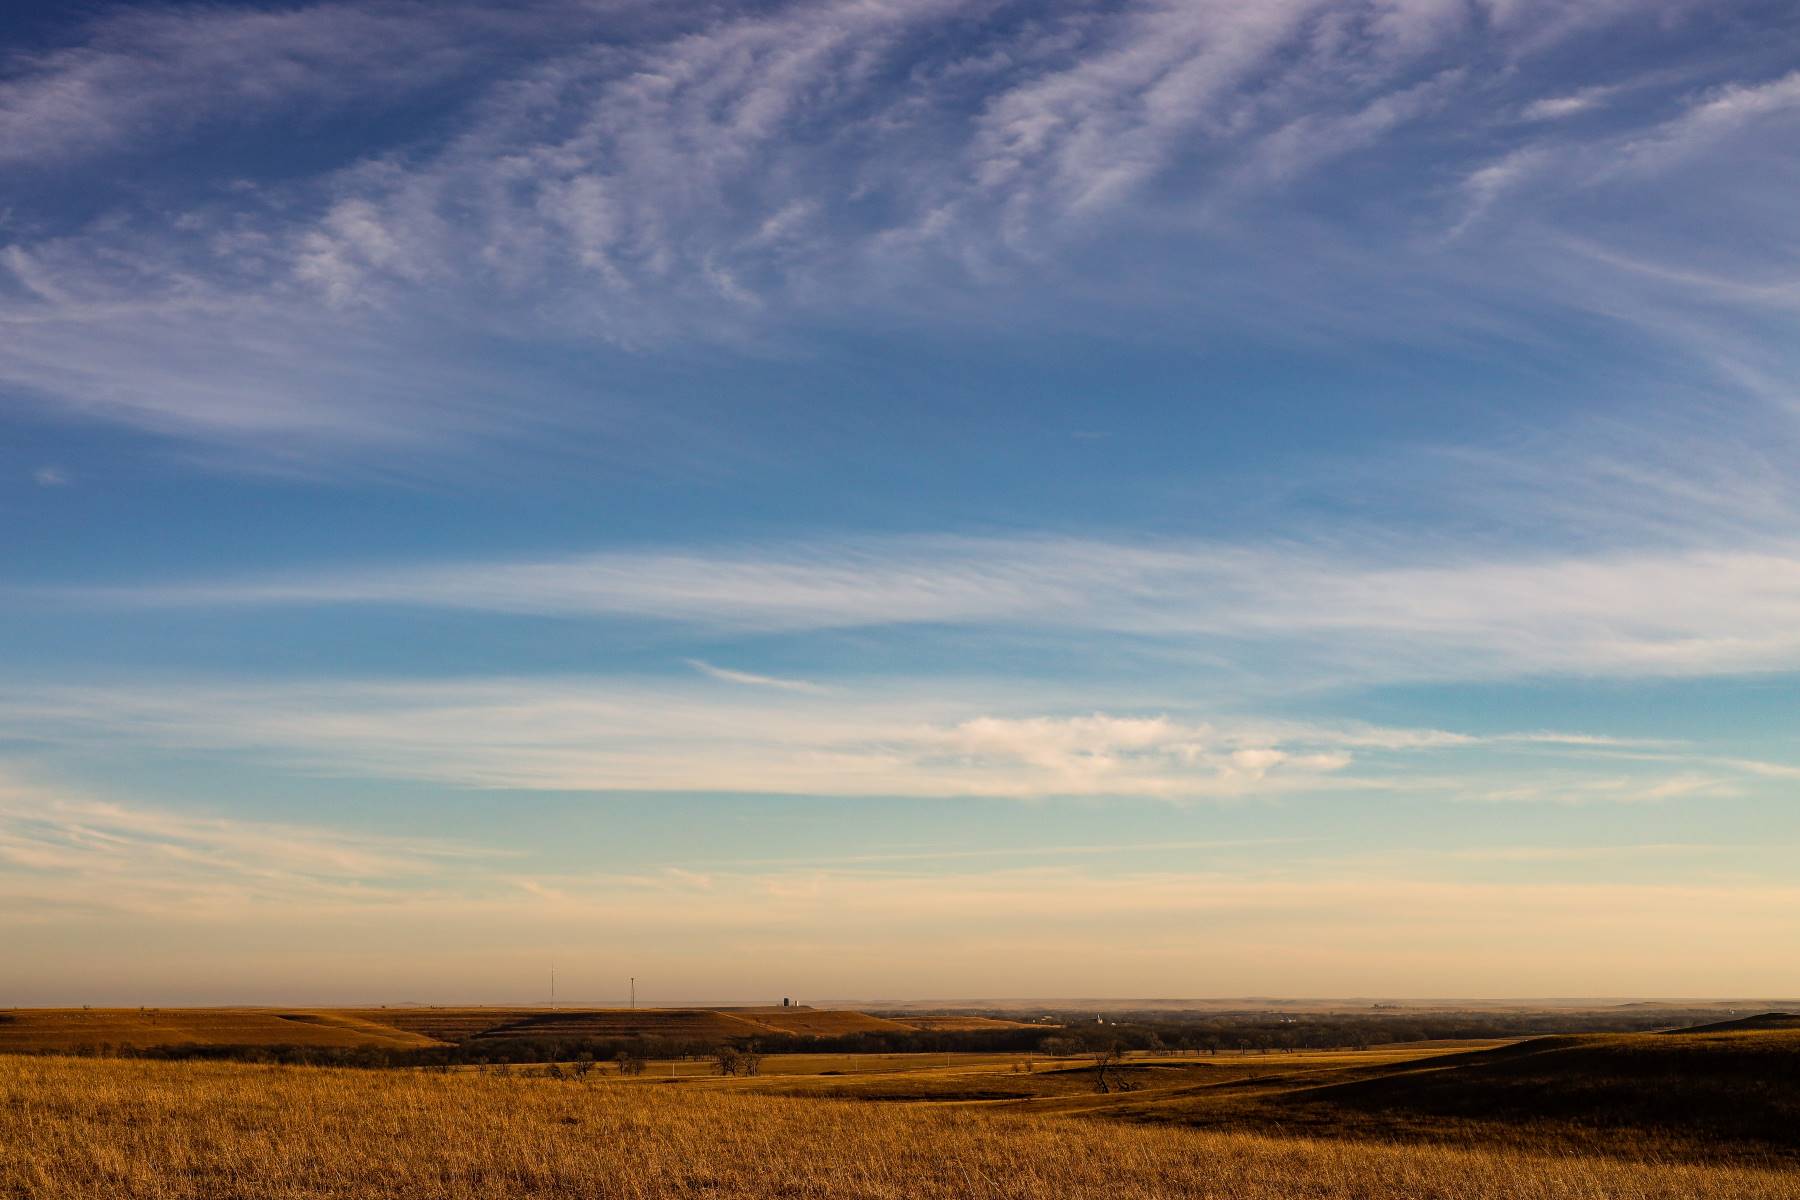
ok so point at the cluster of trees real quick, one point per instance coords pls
(733, 1060)
(1267, 1033)
(988, 1041)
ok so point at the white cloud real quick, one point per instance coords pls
(642, 735)
(1557, 108)
(51, 477)
(938, 738)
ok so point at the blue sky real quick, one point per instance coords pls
(876, 500)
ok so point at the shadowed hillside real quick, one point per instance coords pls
(1763, 1022)
(1700, 1094)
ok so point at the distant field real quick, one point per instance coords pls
(87, 1129)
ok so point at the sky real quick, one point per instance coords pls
(867, 500)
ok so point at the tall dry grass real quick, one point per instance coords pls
(175, 1131)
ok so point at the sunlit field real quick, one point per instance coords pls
(178, 1130)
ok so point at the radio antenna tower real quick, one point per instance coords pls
(634, 993)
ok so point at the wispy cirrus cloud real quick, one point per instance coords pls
(1714, 117)
(627, 179)
(66, 850)
(132, 78)
(1377, 615)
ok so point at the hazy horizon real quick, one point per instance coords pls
(1013, 1004)
(852, 498)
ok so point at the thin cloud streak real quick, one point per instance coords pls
(751, 679)
(1672, 613)
(994, 931)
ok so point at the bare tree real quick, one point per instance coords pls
(1107, 1077)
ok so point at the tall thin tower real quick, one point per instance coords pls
(634, 993)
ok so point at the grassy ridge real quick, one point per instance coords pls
(78, 1129)
(65, 1029)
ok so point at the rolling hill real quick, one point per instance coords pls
(69, 1029)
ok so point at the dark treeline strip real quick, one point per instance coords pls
(1360, 1030)
(1077, 1034)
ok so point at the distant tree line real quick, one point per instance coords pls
(1069, 1035)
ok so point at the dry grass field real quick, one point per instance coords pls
(1708, 1113)
(87, 1129)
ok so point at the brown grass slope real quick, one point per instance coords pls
(813, 1022)
(53, 1029)
(82, 1129)
(697, 1023)
(440, 1024)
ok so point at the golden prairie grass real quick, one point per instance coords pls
(80, 1129)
